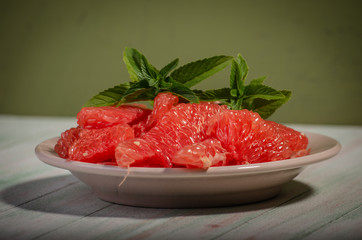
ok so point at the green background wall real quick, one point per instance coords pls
(55, 55)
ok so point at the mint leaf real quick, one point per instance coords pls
(243, 67)
(169, 67)
(148, 72)
(213, 95)
(137, 65)
(143, 95)
(183, 91)
(108, 97)
(164, 83)
(257, 81)
(253, 91)
(135, 90)
(236, 104)
(234, 93)
(239, 71)
(194, 72)
(235, 78)
(266, 108)
(132, 59)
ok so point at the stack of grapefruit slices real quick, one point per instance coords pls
(177, 135)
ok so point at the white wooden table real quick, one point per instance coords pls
(38, 201)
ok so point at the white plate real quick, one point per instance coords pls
(187, 188)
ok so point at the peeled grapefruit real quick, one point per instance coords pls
(100, 117)
(163, 102)
(203, 154)
(182, 125)
(67, 138)
(92, 145)
(250, 139)
(178, 135)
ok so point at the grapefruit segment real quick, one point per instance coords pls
(100, 117)
(98, 145)
(133, 151)
(203, 154)
(297, 141)
(163, 102)
(92, 145)
(250, 139)
(67, 138)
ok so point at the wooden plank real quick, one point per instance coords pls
(347, 226)
(30, 190)
(50, 211)
(139, 223)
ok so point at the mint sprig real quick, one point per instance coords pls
(147, 78)
(194, 72)
(239, 71)
(255, 96)
(147, 81)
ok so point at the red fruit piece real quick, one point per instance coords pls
(297, 141)
(163, 102)
(92, 145)
(98, 145)
(136, 152)
(250, 139)
(202, 155)
(66, 140)
(100, 117)
(182, 125)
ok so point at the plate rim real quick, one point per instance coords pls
(45, 152)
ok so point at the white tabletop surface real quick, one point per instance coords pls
(38, 201)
